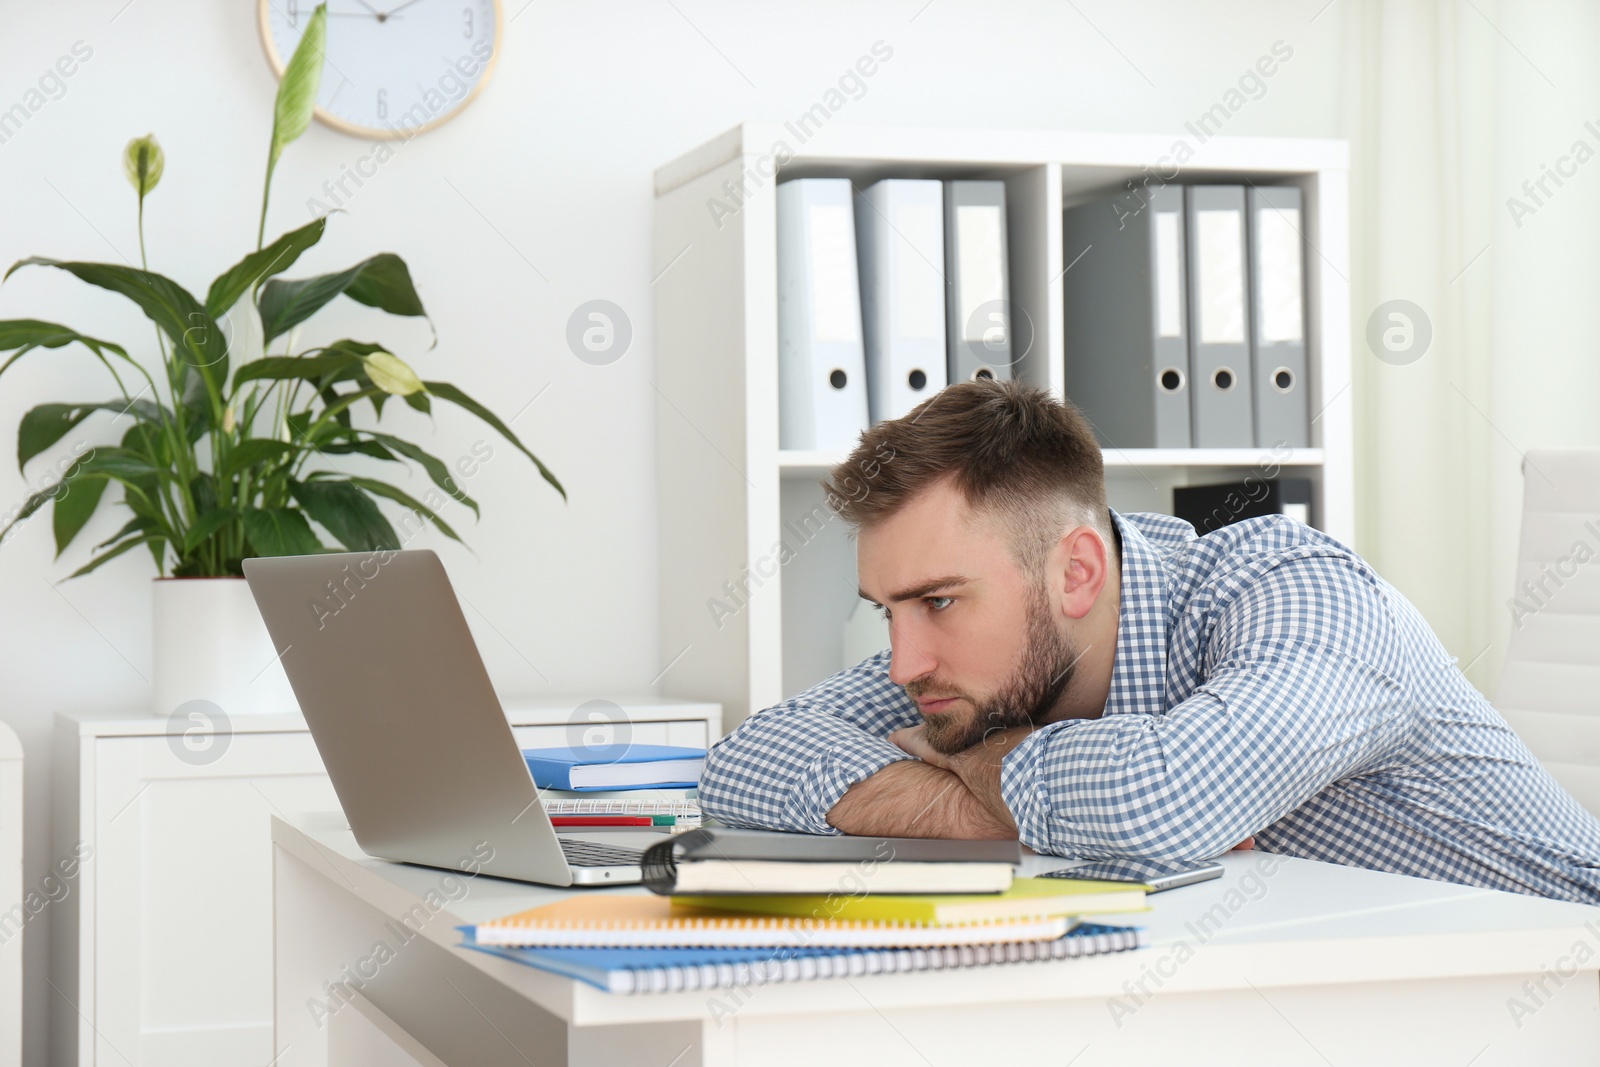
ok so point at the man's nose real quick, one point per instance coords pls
(908, 658)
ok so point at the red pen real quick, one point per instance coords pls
(601, 820)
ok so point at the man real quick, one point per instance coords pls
(1102, 685)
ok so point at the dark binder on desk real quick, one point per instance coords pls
(1277, 316)
(1127, 331)
(1219, 341)
(977, 287)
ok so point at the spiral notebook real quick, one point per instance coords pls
(673, 970)
(656, 922)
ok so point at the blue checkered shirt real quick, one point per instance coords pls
(1267, 683)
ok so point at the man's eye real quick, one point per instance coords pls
(883, 612)
(933, 602)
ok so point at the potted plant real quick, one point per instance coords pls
(229, 452)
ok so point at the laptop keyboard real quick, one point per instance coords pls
(589, 854)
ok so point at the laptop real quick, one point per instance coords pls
(411, 732)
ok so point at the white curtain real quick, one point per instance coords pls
(1450, 107)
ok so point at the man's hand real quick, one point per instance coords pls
(978, 767)
(914, 740)
(911, 799)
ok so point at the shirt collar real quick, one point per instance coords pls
(1139, 673)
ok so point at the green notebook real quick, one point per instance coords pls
(1027, 898)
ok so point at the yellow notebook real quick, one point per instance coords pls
(1027, 898)
(654, 921)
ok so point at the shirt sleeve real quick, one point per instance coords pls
(784, 768)
(1303, 684)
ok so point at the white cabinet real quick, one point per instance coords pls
(164, 945)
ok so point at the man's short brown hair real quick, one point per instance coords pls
(1011, 449)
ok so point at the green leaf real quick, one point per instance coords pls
(46, 424)
(196, 338)
(277, 257)
(137, 523)
(143, 161)
(28, 334)
(334, 367)
(203, 491)
(419, 401)
(28, 508)
(107, 557)
(279, 532)
(382, 282)
(385, 283)
(252, 451)
(432, 464)
(347, 513)
(75, 504)
(297, 92)
(400, 496)
(299, 422)
(124, 464)
(446, 391)
(365, 448)
(206, 525)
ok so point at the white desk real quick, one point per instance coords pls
(1281, 961)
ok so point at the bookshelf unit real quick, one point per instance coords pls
(757, 575)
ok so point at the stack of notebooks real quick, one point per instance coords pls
(843, 910)
(619, 786)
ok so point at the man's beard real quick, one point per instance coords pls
(1024, 699)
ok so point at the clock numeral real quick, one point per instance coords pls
(466, 13)
(294, 13)
(383, 103)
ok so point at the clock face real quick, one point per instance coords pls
(393, 67)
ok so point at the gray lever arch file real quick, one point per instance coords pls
(1127, 329)
(1219, 340)
(822, 378)
(900, 238)
(1277, 316)
(977, 286)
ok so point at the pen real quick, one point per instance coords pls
(612, 820)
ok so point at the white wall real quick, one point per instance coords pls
(557, 155)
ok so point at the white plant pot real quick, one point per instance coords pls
(209, 643)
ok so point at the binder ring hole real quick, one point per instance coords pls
(1222, 378)
(1283, 379)
(1172, 379)
(982, 374)
(838, 378)
(916, 379)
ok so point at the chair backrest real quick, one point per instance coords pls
(1550, 689)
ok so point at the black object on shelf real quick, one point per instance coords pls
(1209, 508)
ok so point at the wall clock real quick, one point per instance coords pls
(394, 68)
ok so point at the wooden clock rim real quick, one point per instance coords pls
(378, 133)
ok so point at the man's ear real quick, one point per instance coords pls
(1079, 567)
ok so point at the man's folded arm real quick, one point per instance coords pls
(1299, 698)
(784, 768)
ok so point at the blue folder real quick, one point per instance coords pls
(552, 767)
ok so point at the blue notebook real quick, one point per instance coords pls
(625, 766)
(672, 970)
